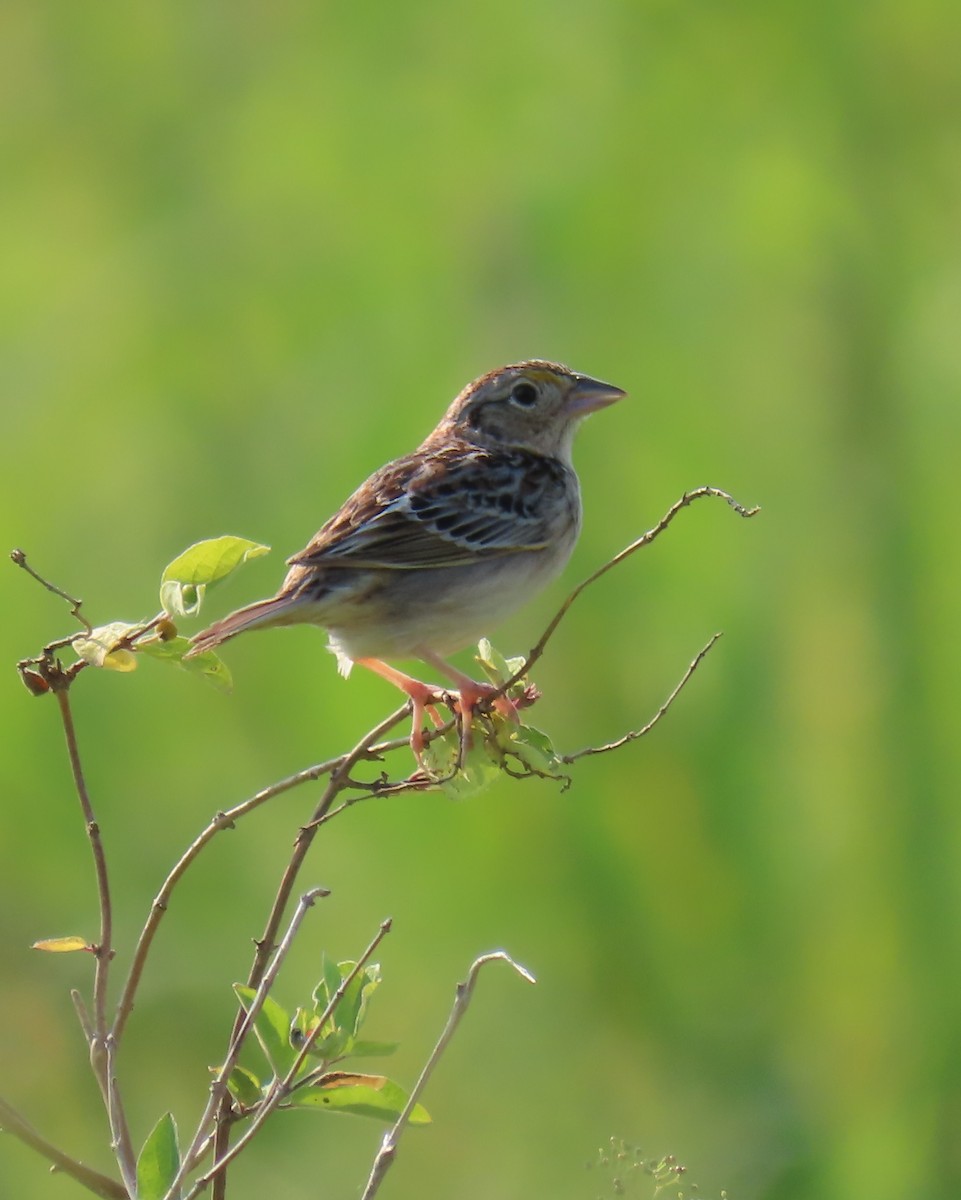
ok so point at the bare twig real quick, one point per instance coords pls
(302, 845)
(101, 1041)
(20, 558)
(646, 728)
(644, 540)
(388, 1149)
(103, 950)
(221, 821)
(305, 837)
(93, 1181)
(83, 1016)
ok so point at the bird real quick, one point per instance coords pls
(437, 547)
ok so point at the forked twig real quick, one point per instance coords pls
(20, 558)
(220, 822)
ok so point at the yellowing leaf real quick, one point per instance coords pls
(62, 945)
(120, 660)
(99, 648)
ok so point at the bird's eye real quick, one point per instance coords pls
(524, 394)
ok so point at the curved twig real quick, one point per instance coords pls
(645, 539)
(649, 725)
(20, 558)
(462, 997)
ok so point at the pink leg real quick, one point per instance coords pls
(470, 692)
(422, 698)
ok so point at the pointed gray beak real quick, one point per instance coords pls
(588, 395)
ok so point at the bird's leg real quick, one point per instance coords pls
(422, 699)
(469, 694)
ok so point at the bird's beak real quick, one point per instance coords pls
(588, 395)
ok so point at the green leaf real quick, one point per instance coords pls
(272, 1027)
(352, 1008)
(479, 772)
(373, 1096)
(535, 749)
(337, 1038)
(208, 665)
(492, 662)
(186, 579)
(99, 647)
(499, 669)
(331, 981)
(244, 1086)
(159, 1160)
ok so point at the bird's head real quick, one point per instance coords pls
(533, 405)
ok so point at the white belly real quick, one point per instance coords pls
(441, 610)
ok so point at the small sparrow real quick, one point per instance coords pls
(437, 547)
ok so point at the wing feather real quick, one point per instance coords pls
(447, 508)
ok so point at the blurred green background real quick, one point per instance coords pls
(250, 252)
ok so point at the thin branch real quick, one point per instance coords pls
(282, 1087)
(100, 1048)
(338, 779)
(121, 1142)
(20, 558)
(302, 845)
(644, 729)
(388, 1149)
(93, 1181)
(83, 1016)
(644, 540)
(221, 821)
(103, 950)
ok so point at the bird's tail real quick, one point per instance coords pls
(275, 611)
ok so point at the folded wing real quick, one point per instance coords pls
(445, 510)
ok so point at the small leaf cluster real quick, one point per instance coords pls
(499, 744)
(312, 1041)
(300, 1051)
(183, 586)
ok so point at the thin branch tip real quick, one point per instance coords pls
(646, 728)
(19, 557)
(502, 956)
(463, 992)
